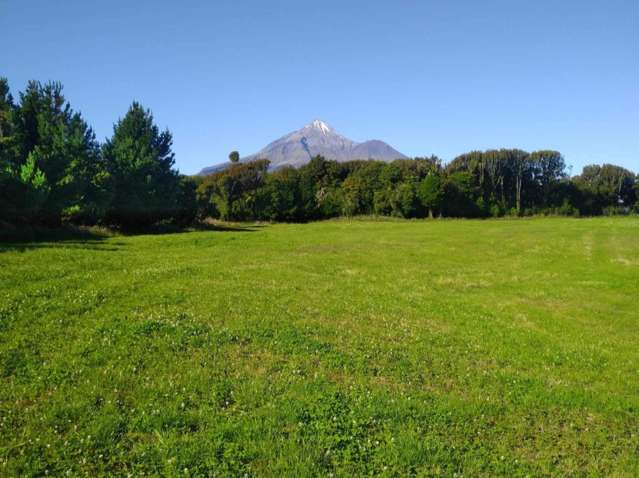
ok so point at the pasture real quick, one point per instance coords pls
(336, 348)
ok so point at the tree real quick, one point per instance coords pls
(138, 157)
(8, 180)
(53, 145)
(547, 168)
(353, 191)
(360, 185)
(86, 183)
(609, 187)
(404, 201)
(460, 195)
(382, 202)
(279, 199)
(186, 201)
(431, 192)
(234, 194)
(521, 167)
(511, 179)
(315, 179)
(7, 111)
(35, 190)
(234, 157)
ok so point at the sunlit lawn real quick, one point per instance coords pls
(395, 348)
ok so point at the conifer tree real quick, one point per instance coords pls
(139, 160)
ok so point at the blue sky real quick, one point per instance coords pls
(440, 77)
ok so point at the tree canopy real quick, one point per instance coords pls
(53, 170)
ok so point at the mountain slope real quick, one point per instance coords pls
(317, 138)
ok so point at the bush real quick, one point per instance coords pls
(496, 211)
(616, 211)
(567, 209)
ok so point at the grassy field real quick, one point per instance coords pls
(393, 348)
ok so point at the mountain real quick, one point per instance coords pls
(317, 138)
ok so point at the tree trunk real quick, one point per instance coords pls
(519, 193)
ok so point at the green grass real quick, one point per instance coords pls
(394, 348)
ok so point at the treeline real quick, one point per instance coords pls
(478, 184)
(54, 171)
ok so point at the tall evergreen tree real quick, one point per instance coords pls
(7, 111)
(144, 186)
(8, 181)
(53, 155)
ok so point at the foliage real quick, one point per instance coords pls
(139, 161)
(53, 170)
(234, 156)
(233, 194)
(606, 187)
(49, 155)
(34, 189)
(431, 192)
(477, 184)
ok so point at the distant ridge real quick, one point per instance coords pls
(316, 138)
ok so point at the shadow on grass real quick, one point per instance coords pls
(231, 227)
(175, 229)
(36, 237)
(92, 238)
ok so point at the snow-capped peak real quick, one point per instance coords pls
(317, 138)
(320, 125)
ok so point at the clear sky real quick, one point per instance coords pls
(440, 77)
